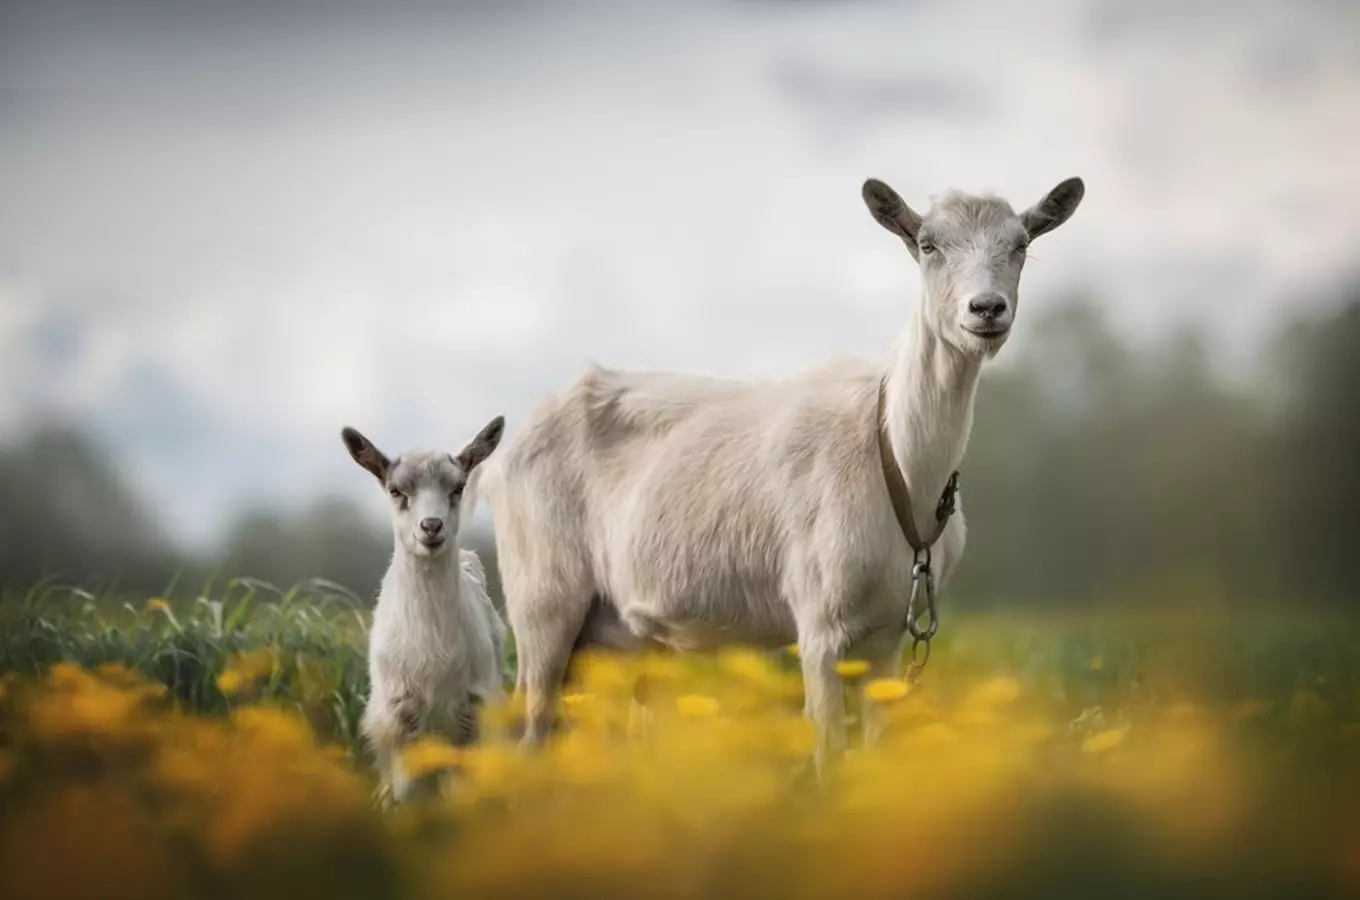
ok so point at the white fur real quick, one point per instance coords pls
(694, 512)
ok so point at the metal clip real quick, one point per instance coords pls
(922, 580)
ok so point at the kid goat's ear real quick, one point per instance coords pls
(480, 447)
(365, 454)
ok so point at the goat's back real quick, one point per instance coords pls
(690, 488)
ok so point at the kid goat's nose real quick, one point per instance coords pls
(432, 525)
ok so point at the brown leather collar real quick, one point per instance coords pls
(897, 488)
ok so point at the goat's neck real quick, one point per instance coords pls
(928, 410)
(424, 582)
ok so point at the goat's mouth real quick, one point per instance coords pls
(989, 331)
(431, 543)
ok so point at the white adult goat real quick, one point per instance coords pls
(697, 512)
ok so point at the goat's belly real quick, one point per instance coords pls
(691, 623)
(702, 636)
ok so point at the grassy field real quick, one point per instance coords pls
(207, 747)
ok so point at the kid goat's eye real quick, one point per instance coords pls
(926, 247)
(396, 494)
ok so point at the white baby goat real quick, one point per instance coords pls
(435, 649)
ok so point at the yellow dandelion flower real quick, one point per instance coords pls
(572, 700)
(885, 690)
(1097, 662)
(696, 705)
(157, 603)
(603, 672)
(744, 664)
(428, 755)
(68, 675)
(230, 682)
(1103, 740)
(273, 727)
(851, 668)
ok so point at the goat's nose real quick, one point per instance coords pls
(432, 525)
(988, 306)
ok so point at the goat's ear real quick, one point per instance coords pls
(365, 454)
(892, 212)
(480, 447)
(1056, 207)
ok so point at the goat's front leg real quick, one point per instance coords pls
(389, 724)
(824, 695)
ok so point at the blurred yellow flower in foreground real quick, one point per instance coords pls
(230, 682)
(994, 692)
(962, 779)
(428, 754)
(885, 690)
(1103, 740)
(851, 668)
(696, 705)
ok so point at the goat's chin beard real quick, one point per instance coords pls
(980, 345)
(425, 551)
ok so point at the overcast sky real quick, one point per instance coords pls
(228, 229)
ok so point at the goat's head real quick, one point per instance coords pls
(425, 487)
(971, 251)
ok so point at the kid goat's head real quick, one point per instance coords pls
(425, 486)
(971, 251)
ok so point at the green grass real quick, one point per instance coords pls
(317, 631)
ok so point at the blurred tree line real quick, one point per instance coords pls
(1096, 474)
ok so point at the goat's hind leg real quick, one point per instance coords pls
(546, 625)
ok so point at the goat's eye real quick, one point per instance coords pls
(926, 247)
(396, 494)
(456, 493)
(1022, 247)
